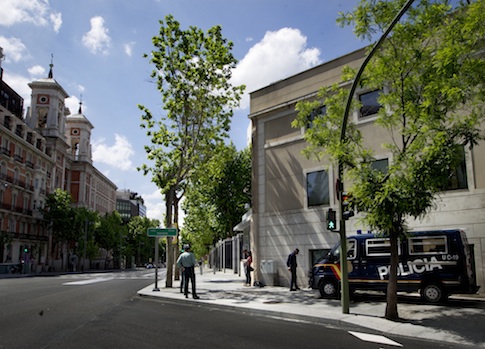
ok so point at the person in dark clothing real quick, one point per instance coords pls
(291, 264)
(186, 262)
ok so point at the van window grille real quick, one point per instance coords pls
(379, 247)
(428, 245)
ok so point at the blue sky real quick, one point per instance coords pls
(98, 48)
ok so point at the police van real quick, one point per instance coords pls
(436, 263)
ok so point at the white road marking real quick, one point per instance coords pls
(86, 282)
(375, 338)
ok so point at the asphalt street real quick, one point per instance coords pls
(460, 321)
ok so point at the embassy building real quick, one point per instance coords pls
(292, 194)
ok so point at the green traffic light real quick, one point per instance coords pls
(331, 219)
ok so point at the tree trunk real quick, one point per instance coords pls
(391, 306)
(177, 239)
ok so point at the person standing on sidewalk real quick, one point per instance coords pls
(291, 264)
(187, 262)
(182, 277)
(248, 268)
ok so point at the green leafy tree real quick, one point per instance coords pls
(139, 244)
(216, 196)
(431, 68)
(110, 234)
(193, 69)
(58, 217)
(85, 224)
(5, 240)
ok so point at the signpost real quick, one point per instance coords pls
(157, 233)
(162, 232)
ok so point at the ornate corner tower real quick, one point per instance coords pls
(47, 111)
(78, 136)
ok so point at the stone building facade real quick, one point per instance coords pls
(46, 149)
(291, 194)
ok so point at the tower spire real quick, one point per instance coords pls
(51, 75)
(80, 111)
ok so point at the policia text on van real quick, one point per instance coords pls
(437, 263)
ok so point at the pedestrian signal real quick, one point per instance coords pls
(331, 220)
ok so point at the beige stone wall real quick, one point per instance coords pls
(282, 219)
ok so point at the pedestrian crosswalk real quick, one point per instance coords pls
(92, 278)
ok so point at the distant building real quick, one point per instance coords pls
(129, 205)
(46, 150)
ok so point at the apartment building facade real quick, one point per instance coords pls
(291, 193)
(46, 149)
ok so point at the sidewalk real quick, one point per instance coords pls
(451, 323)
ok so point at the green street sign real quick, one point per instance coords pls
(161, 232)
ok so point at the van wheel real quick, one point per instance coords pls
(433, 293)
(328, 288)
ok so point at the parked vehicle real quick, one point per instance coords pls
(436, 263)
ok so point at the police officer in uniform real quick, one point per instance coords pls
(187, 262)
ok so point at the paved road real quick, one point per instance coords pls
(103, 311)
(460, 321)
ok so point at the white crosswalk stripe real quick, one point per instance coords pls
(86, 282)
(110, 276)
(366, 337)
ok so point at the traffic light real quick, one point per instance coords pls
(331, 220)
(26, 249)
(347, 210)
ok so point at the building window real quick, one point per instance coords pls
(370, 105)
(315, 113)
(317, 188)
(380, 165)
(5, 147)
(458, 178)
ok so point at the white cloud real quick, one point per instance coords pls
(37, 71)
(97, 39)
(56, 20)
(128, 47)
(13, 49)
(36, 12)
(72, 102)
(155, 205)
(278, 55)
(118, 155)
